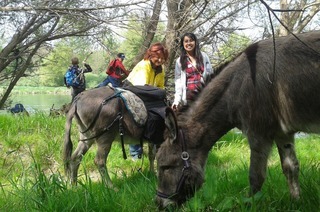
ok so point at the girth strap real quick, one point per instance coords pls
(105, 129)
(118, 118)
(116, 94)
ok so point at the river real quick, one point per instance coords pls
(40, 102)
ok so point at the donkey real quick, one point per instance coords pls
(101, 115)
(268, 98)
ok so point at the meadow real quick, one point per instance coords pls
(32, 177)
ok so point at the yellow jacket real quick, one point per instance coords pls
(144, 74)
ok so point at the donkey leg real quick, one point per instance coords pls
(76, 158)
(151, 155)
(260, 150)
(101, 160)
(289, 163)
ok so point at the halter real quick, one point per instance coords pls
(186, 160)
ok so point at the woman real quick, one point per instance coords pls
(191, 69)
(149, 71)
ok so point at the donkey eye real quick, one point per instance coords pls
(164, 168)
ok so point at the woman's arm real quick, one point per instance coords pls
(178, 85)
(208, 70)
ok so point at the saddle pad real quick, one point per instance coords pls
(152, 97)
(134, 105)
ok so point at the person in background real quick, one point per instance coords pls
(191, 70)
(80, 78)
(149, 71)
(116, 72)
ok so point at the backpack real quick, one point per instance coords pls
(71, 78)
(18, 108)
(155, 125)
(111, 67)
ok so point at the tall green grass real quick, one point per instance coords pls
(32, 178)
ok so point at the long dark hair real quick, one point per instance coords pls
(184, 56)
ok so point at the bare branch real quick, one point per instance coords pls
(67, 10)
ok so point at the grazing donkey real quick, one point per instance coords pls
(102, 114)
(269, 100)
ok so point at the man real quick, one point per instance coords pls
(79, 82)
(116, 72)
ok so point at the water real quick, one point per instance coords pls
(40, 102)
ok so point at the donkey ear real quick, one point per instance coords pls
(171, 124)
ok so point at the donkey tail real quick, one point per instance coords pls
(67, 147)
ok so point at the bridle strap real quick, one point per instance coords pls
(185, 157)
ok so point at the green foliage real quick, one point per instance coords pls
(32, 179)
(236, 43)
(51, 72)
(92, 80)
(134, 37)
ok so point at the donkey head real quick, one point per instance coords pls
(179, 174)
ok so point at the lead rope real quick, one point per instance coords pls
(121, 129)
(142, 158)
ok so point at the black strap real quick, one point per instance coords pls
(99, 110)
(104, 130)
(121, 129)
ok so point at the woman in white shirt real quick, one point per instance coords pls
(191, 69)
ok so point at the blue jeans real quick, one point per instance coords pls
(114, 81)
(135, 150)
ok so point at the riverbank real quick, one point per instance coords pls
(37, 99)
(37, 90)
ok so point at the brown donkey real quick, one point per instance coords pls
(101, 115)
(269, 100)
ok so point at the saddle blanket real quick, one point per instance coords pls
(134, 105)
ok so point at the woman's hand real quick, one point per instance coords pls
(174, 107)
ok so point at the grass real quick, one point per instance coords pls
(32, 178)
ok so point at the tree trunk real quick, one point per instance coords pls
(284, 18)
(149, 33)
(178, 23)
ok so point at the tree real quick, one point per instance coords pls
(283, 17)
(209, 21)
(296, 15)
(149, 31)
(236, 43)
(132, 44)
(55, 64)
(37, 24)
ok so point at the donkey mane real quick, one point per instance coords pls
(214, 86)
(250, 52)
(217, 70)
